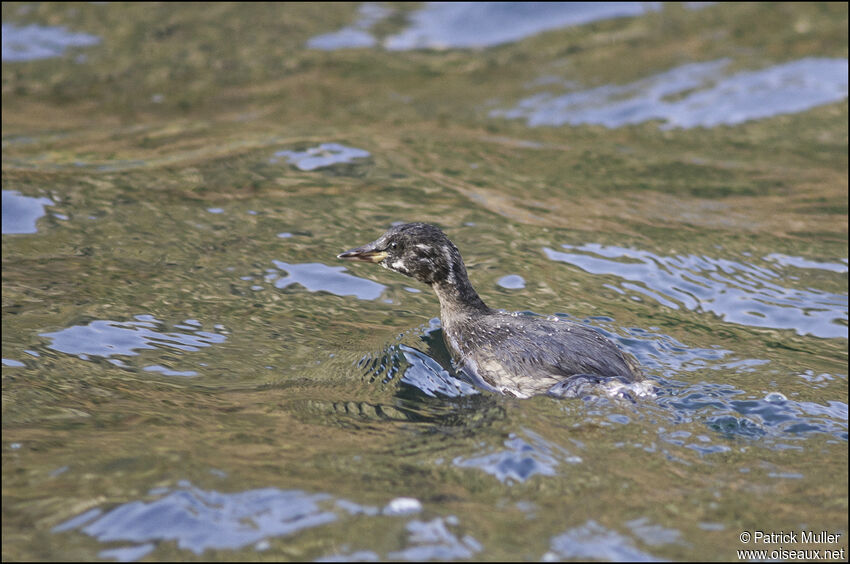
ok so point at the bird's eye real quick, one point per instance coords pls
(393, 245)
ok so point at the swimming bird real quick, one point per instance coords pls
(514, 355)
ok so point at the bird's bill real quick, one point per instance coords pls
(366, 253)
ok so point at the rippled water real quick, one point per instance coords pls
(20, 213)
(701, 96)
(443, 25)
(738, 292)
(108, 339)
(26, 43)
(189, 372)
(326, 154)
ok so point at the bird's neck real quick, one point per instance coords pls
(458, 298)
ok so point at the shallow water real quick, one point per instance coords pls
(190, 373)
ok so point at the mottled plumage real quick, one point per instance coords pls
(516, 355)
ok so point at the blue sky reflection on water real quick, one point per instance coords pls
(521, 459)
(20, 213)
(114, 339)
(355, 35)
(512, 282)
(305, 408)
(31, 42)
(199, 520)
(592, 541)
(738, 292)
(447, 25)
(324, 155)
(316, 277)
(711, 96)
(459, 25)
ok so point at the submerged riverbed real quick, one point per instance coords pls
(190, 373)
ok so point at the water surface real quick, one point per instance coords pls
(190, 373)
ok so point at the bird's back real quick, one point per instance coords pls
(525, 355)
